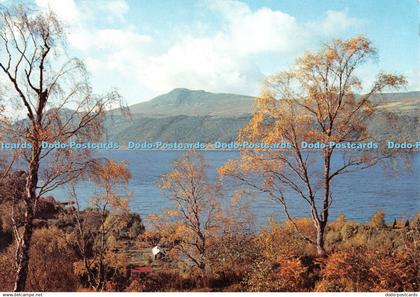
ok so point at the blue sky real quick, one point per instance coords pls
(146, 48)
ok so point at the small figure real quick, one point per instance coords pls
(158, 252)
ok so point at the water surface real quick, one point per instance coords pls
(358, 195)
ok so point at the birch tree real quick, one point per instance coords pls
(315, 101)
(52, 102)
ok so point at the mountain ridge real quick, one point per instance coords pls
(184, 115)
(182, 101)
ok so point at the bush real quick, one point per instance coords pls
(164, 280)
(362, 269)
(378, 220)
(7, 269)
(284, 275)
(51, 262)
(283, 240)
(346, 271)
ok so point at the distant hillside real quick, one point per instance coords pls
(187, 116)
(195, 103)
(179, 128)
(403, 96)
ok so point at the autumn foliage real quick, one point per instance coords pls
(315, 101)
(211, 242)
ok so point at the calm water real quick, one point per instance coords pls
(357, 195)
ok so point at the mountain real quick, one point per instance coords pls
(195, 103)
(184, 115)
(180, 128)
(403, 96)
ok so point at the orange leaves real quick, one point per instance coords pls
(390, 80)
(307, 62)
(111, 178)
(51, 258)
(282, 240)
(290, 274)
(357, 43)
(172, 213)
(347, 272)
(361, 270)
(189, 228)
(111, 172)
(189, 169)
(281, 275)
(315, 100)
(226, 168)
(331, 55)
(235, 166)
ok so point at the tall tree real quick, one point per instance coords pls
(54, 94)
(315, 101)
(194, 222)
(109, 206)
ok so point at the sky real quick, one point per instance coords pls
(146, 48)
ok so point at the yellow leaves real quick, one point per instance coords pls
(389, 80)
(357, 43)
(228, 167)
(366, 270)
(182, 231)
(331, 55)
(236, 198)
(79, 268)
(116, 170)
(265, 102)
(307, 61)
(191, 168)
(172, 213)
(315, 101)
(110, 172)
(111, 178)
(189, 228)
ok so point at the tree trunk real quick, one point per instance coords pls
(22, 257)
(23, 252)
(320, 240)
(320, 228)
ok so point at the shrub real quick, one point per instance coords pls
(378, 219)
(283, 240)
(51, 262)
(361, 269)
(7, 269)
(284, 275)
